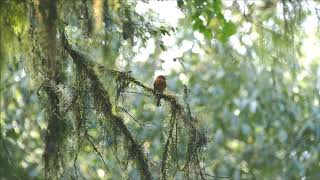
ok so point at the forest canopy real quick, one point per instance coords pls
(79, 89)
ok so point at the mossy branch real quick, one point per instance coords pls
(102, 102)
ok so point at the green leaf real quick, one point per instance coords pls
(180, 4)
(12, 134)
(162, 46)
(206, 32)
(217, 9)
(228, 30)
(197, 24)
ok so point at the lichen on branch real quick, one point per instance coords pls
(180, 112)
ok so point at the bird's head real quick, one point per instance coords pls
(161, 77)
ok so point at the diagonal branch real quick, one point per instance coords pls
(103, 104)
(88, 137)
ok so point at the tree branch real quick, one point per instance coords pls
(103, 104)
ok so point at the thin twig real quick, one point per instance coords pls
(75, 165)
(76, 157)
(133, 92)
(7, 151)
(218, 177)
(96, 150)
(126, 111)
(119, 162)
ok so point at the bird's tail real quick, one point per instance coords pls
(158, 102)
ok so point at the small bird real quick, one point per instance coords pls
(159, 86)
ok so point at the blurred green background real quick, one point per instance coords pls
(252, 68)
